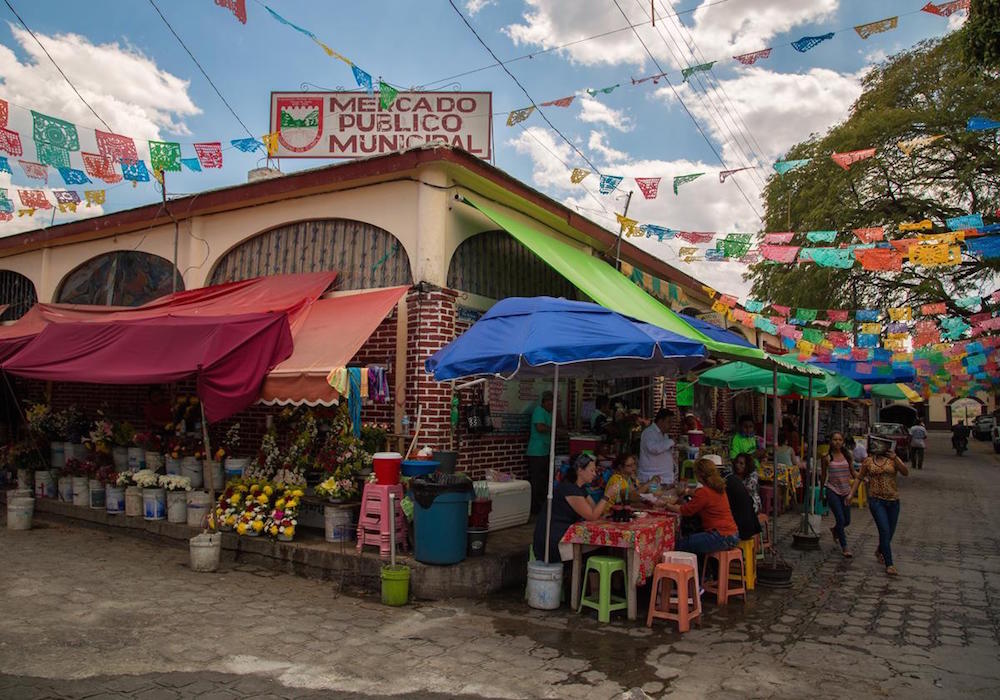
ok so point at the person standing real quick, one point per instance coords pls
(656, 457)
(883, 500)
(918, 442)
(838, 473)
(601, 416)
(539, 441)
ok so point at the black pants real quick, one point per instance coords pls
(917, 457)
(538, 475)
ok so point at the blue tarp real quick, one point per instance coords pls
(527, 336)
(716, 333)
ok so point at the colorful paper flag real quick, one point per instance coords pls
(363, 78)
(576, 177)
(34, 199)
(34, 171)
(270, 142)
(609, 183)
(55, 132)
(49, 154)
(10, 142)
(807, 42)
(655, 78)
(519, 115)
(963, 222)
(135, 171)
(192, 164)
(901, 313)
(909, 146)
(72, 176)
(936, 308)
(686, 251)
(561, 102)
(628, 226)
(784, 166)
(387, 94)
(118, 148)
(778, 238)
(981, 124)
(748, 59)
(649, 186)
(935, 255)
(661, 232)
(946, 9)
(682, 179)
(870, 235)
(987, 247)
(5, 166)
(696, 237)
(691, 70)
(165, 155)
(821, 236)
(66, 200)
(925, 225)
(248, 145)
(883, 25)
(779, 253)
(238, 8)
(101, 167)
(209, 154)
(845, 160)
(605, 90)
(880, 259)
(723, 174)
(94, 197)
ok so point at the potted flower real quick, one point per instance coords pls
(114, 491)
(41, 426)
(122, 435)
(98, 440)
(176, 488)
(337, 490)
(281, 521)
(229, 507)
(154, 499)
(103, 476)
(256, 507)
(235, 466)
(133, 494)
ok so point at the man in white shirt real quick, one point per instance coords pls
(656, 457)
(918, 442)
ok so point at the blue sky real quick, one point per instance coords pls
(140, 80)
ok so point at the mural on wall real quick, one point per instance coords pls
(123, 278)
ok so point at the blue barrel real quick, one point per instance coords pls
(440, 530)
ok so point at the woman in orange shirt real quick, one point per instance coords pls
(710, 503)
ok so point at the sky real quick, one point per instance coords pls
(139, 79)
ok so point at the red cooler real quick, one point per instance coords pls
(580, 443)
(387, 466)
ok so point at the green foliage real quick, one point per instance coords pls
(926, 90)
(981, 34)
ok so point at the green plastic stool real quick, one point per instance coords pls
(687, 470)
(605, 603)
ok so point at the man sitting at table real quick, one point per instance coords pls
(656, 457)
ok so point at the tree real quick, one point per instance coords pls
(981, 34)
(924, 91)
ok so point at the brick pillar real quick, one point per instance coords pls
(431, 325)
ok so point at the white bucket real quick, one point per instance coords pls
(81, 491)
(97, 494)
(25, 480)
(173, 465)
(136, 459)
(57, 455)
(154, 462)
(206, 549)
(154, 504)
(198, 504)
(66, 489)
(120, 457)
(19, 512)
(193, 469)
(816, 522)
(69, 451)
(79, 451)
(177, 507)
(544, 585)
(214, 476)
(114, 498)
(45, 484)
(337, 521)
(235, 466)
(133, 502)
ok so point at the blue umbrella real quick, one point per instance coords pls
(716, 333)
(541, 336)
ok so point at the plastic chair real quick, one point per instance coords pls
(604, 603)
(723, 587)
(748, 548)
(373, 522)
(678, 608)
(767, 499)
(687, 470)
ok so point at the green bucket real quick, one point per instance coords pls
(395, 585)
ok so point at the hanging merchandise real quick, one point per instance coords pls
(378, 385)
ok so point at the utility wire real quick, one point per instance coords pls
(217, 91)
(63, 74)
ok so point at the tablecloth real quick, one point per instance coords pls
(648, 536)
(789, 476)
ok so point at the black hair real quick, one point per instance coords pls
(546, 396)
(751, 464)
(843, 449)
(745, 418)
(603, 401)
(578, 464)
(662, 413)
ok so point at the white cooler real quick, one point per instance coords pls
(511, 503)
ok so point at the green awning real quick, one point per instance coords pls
(612, 290)
(741, 375)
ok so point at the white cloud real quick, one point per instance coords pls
(43, 217)
(596, 112)
(474, 6)
(716, 29)
(596, 144)
(956, 20)
(547, 154)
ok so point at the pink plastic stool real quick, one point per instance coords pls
(373, 522)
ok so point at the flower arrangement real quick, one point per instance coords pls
(150, 442)
(288, 478)
(175, 482)
(124, 480)
(281, 521)
(253, 507)
(230, 443)
(229, 507)
(80, 467)
(99, 440)
(24, 455)
(106, 475)
(146, 479)
(373, 437)
(256, 507)
(123, 434)
(268, 458)
(39, 418)
(337, 489)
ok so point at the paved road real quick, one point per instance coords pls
(88, 614)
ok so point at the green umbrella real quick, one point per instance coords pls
(896, 392)
(741, 375)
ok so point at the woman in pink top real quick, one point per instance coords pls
(838, 475)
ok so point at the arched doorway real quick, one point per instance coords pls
(964, 409)
(364, 256)
(18, 293)
(122, 278)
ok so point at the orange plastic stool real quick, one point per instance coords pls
(723, 587)
(680, 576)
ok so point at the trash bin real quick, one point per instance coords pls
(440, 517)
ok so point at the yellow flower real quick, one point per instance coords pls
(241, 528)
(289, 532)
(234, 500)
(274, 530)
(254, 488)
(280, 503)
(297, 493)
(231, 520)
(262, 499)
(257, 525)
(268, 490)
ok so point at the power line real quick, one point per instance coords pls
(217, 91)
(63, 74)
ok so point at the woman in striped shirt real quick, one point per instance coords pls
(838, 475)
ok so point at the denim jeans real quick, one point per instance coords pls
(886, 514)
(917, 457)
(841, 510)
(705, 542)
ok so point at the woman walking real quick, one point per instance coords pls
(838, 473)
(883, 497)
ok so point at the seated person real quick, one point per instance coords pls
(601, 417)
(719, 530)
(746, 470)
(741, 503)
(625, 482)
(784, 454)
(570, 505)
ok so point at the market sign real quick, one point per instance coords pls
(353, 124)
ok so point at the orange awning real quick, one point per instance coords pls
(327, 336)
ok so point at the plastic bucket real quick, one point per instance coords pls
(66, 489)
(193, 469)
(173, 466)
(386, 466)
(338, 523)
(133, 502)
(57, 455)
(177, 509)
(20, 511)
(419, 467)
(154, 504)
(114, 500)
(81, 491)
(79, 451)
(816, 522)
(479, 518)
(120, 457)
(136, 458)
(696, 438)
(206, 550)
(446, 461)
(198, 504)
(235, 467)
(45, 484)
(214, 476)
(69, 451)
(395, 585)
(154, 462)
(24, 480)
(97, 495)
(544, 585)
(477, 541)
(440, 531)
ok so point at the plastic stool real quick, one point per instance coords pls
(605, 603)
(687, 470)
(373, 522)
(861, 497)
(820, 507)
(722, 588)
(680, 575)
(749, 563)
(767, 499)
(670, 557)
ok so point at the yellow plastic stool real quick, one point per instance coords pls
(749, 564)
(861, 497)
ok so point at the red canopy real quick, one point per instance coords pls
(229, 355)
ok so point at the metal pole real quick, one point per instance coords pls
(392, 530)
(774, 462)
(621, 230)
(552, 459)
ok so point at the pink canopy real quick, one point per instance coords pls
(230, 356)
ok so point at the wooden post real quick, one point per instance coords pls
(399, 398)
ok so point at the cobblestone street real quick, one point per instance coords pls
(89, 614)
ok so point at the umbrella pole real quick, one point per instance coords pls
(764, 424)
(552, 459)
(774, 462)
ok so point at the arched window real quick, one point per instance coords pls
(364, 256)
(122, 278)
(495, 265)
(18, 293)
